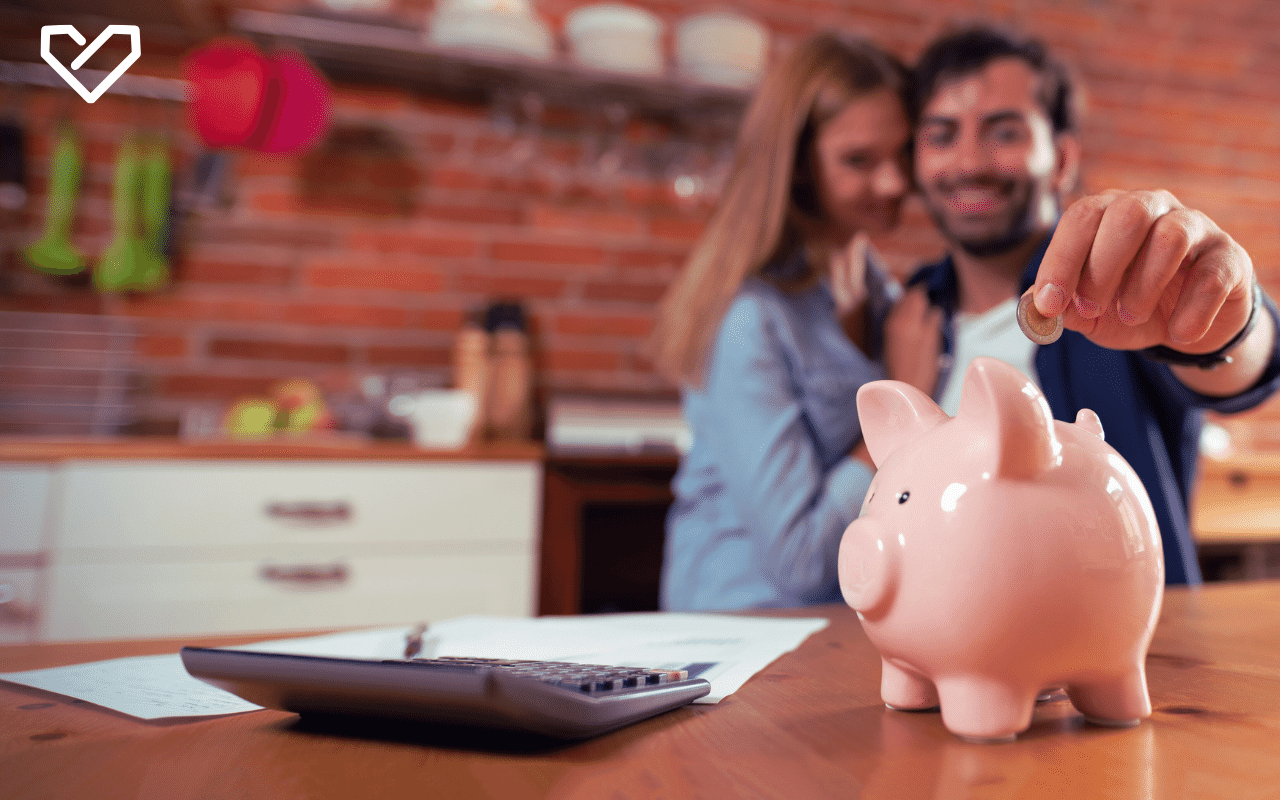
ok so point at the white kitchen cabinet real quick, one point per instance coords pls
(164, 548)
(103, 548)
(24, 504)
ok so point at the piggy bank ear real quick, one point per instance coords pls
(1089, 421)
(1002, 405)
(893, 413)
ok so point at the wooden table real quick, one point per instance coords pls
(810, 725)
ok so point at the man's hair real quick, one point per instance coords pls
(968, 50)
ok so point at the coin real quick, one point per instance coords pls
(1036, 326)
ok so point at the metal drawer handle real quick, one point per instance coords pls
(310, 512)
(306, 576)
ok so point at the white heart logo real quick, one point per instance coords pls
(135, 50)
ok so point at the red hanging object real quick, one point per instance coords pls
(241, 98)
(228, 81)
(300, 111)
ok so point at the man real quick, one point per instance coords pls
(1163, 315)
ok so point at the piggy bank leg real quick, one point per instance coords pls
(1118, 701)
(981, 709)
(904, 690)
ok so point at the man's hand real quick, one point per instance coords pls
(1136, 269)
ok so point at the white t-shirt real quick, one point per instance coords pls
(993, 333)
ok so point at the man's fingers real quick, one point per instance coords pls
(1167, 247)
(1126, 224)
(1064, 259)
(1213, 278)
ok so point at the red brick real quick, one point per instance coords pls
(404, 279)
(200, 270)
(54, 304)
(185, 307)
(628, 292)
(586, 220)
(512, 285)
(436, 143)
(581, 360)
(195, 385)
(255, 165)
(676, 228)
(459, 178)
(616, 324)
(447, 319)
(159, 346)
(495, 214)
(546, 253)
(441, 107)
(386, 355)
(292, 233)
(280, 351)
(336, 314)
(274, 202)
(650, 260)
(394, 241)
(645, 195)
(365, 99)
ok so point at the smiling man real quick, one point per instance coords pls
(1163, 314)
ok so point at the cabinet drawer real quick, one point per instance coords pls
(1236, 505)
(96, 601)
(24, 498)
(19, 605)
(200, 504)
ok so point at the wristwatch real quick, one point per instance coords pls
(1167, 355)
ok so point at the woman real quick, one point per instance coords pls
(774, 324)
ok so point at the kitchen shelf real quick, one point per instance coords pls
(394, 54)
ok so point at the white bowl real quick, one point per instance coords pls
(616, 37)
(721, 48)
(441, 419)
(491, 26)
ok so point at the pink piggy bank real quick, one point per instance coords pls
(1000, 553)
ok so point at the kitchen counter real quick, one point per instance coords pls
(331, 446)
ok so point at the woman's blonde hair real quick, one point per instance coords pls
(770, 200)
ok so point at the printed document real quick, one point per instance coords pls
(726, 650)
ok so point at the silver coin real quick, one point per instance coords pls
(1036, 326)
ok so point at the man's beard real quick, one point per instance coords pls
(1022, 224)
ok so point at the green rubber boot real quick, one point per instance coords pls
(53, 253)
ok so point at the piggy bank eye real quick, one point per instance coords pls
(902, 497)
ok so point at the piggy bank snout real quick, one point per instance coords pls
(868, 565)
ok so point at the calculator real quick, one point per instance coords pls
(552, 698)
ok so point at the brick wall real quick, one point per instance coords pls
(366, 255)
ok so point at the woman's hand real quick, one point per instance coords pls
(913, 341)
(860, 452)
(848, 269)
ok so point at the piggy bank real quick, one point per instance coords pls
(999, 554)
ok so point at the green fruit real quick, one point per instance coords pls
(305, 417)
(251, 418)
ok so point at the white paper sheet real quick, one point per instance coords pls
(148, 687)
(725, 650)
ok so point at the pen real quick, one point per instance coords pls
(413, 640)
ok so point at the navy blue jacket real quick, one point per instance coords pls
(1148, 416)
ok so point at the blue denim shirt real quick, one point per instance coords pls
(767, 488)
